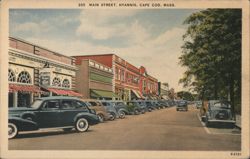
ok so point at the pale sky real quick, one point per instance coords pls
(151, 38)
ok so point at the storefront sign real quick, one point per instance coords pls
(45, 78)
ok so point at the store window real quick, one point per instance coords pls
(24, 77)
(66, 83)
(11, 76)
(56, 82)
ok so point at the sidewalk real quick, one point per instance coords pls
(238, 121)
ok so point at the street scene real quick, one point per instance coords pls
(156, 79)
(164, 129)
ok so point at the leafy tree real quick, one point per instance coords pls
(185, 95)
(212, 54)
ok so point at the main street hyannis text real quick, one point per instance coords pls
(144, 5)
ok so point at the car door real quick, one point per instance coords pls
(48, 114)
(69, 109)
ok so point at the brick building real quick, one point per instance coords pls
(94, 80)
(35, 71)
(129, 82)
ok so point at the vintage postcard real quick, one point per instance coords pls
(124, 79)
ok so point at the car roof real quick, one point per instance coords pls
(57, 97)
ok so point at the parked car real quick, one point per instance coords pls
(49, 112)
(182, 105)
(100, 110)
(162, 103)
(135, 107)
(150, 105)
(121, 108)
(198, 104)
(217, 112)
(109, 106)
(143, 103)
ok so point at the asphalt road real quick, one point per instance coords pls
(164, 129)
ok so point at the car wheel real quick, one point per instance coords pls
(12, 130)
(112, 116)
(82, 125)
(101, 117)
(177, 109)
(121, 114)
(67, 129)
(136, 112)
(149, 109)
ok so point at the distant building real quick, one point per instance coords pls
(129, 82)
(94, 80)
(35, 71)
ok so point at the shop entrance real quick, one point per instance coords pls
(24, 99)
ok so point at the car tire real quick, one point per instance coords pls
(122, 114)
(100, 117)
(67, 129)
(82, 125)
(177, 109)
(12, 130)
(149, 109)
(112, 116)
(137, 112)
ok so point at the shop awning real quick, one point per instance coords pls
(141, 95)
(64, 92)
(136, 93)
(102, 93)
(72, 93)
(24, 88)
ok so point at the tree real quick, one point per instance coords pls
(185, 95)
(212, 54)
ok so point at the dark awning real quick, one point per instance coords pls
(102, 93)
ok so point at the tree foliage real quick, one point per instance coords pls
(185, 95)
(212, 54)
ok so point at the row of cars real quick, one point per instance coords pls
(70, 112)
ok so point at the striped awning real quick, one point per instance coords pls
(64, 92)
(24, 88)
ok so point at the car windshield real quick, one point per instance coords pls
(182, 102)
(36, 104)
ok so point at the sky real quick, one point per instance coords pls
(144, 37)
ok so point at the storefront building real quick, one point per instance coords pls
(148, 84)
(126, 78)
(35, 72)
(94, 80)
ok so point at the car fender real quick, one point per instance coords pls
(29, 114)
(124, 110)
(92, 118)
(23, 124)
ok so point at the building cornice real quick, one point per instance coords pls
(40, 59)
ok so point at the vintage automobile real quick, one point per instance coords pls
(109, 106)
(150, 106)
(217, 112)
(182, 105)
(135, 108)
(100, 110)
(49, 112)
(198, 104)
(121, 108)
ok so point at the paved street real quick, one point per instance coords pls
(163, 129)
